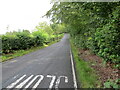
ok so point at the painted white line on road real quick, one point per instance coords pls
(32, 81)
(17, 81)
(58, 81)
(73, 70)
(66, 79)
(15, 76)
(24, 82)
(41, 78)
(52, 81)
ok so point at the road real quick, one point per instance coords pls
(50, 67)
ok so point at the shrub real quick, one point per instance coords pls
(21, 41)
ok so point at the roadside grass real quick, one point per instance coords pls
(86, 76)
(6, 57)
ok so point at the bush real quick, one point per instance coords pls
(21, 41)
(107, 45)
(14, 41)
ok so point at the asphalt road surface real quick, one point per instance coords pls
(50, 67)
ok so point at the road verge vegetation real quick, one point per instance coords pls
(86, 76)
(18, 53)
(94, 26)
(18, 43)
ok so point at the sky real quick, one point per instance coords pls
(22, 14)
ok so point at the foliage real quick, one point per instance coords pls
(85, 74)
(6, 57)
(58, 28)
(22, 40)
(94, 26)
(111, 84)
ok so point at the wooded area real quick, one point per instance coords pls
(94, 26)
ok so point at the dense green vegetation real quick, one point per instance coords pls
(92, 25)
(23, 52)
(87, 77)
(23, 40)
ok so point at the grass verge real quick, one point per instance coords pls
(6, 57)
(85, 74)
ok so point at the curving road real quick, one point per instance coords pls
(50, 67)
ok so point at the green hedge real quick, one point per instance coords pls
(23, 40)
(20, 41)
(103, 40)
(94, 26)
(107, 40)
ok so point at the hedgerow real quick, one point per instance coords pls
(94, 26)
(13, 41)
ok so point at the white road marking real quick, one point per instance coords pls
(15, 76)
(66, 79)
(41, 78)
(32, 81)
(24, 82)
(58, 81)
(17, 81)
(73, 71)
(52, 81)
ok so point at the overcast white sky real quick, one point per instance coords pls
(22, 14)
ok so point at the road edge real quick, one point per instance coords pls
(73, 70)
